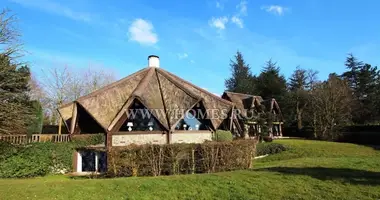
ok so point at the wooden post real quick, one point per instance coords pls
(280, 129)
(232, 117)
(59, 125)
(192, 161)
(74, 119)
(246, 136)
(60, 120)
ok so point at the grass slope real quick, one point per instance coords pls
(309, 170)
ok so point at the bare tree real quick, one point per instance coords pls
(9, 35)
(331, 106)
(96, 78)
(64, 84)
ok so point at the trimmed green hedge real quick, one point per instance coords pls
(223, 136)
(39, 159)
(269, 148)
(171, 159)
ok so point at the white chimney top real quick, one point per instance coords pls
(153, 61)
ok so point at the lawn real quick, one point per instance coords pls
(309, 170)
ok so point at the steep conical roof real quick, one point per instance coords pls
(157, 90)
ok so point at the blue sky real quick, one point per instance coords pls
(196, 39)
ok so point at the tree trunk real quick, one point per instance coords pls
(299, 116)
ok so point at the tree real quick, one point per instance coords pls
(63, 84)
(15, 110)
(331, 106)
(300, 87)
(353, 66)
(366, 94)
(363, 81)
(242, 80)
(270, 84)
(9, 35)
(35, 126)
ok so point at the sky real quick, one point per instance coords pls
(196, 39)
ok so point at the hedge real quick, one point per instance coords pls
(39, 159)
(171, 159)
(223, 136)
(269, 148)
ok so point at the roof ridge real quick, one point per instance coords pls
(109, 86)
(143, 83)
(176, 83)
(242, 94)
(203, 90)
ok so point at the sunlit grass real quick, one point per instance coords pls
(308, 170)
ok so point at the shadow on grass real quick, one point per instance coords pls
(351, 176)
(375, 147)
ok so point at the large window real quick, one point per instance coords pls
(140, 119)
(194, 119)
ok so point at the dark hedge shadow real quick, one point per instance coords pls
(351, 176)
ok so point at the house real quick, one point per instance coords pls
(149, 106)
(249, 107)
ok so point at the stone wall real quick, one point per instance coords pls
(127, 139)
(191, 137)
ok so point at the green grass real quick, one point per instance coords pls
(309, 170)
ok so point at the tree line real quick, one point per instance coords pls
(350, 98)
(29, 101)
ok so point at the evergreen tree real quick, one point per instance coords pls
(35, 125)
(363, 81)
(15, 112)
(353, 66)
(300, 84)
(270, 84)
(242, 80)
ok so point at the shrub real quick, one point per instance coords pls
(222, 136)
(269, 148)
(267, 139)
(6, 150)
(169, 159)
(39, 159)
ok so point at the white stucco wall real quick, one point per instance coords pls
(190, 137)
(124, 140)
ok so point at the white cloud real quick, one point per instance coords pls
(238, 21)
(219, 5)
(142, 32)
(192, 61)
(219, 23)
(182, 56)
(56, 8)
(275, 9)
(242, 8)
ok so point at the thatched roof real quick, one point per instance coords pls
(156, 89)
(245, 102)
(66, 112)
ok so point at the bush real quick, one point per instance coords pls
(39, 159)
(6, 150)
(269, 148)
(222, 136)
(267, 139)
(169, 159)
